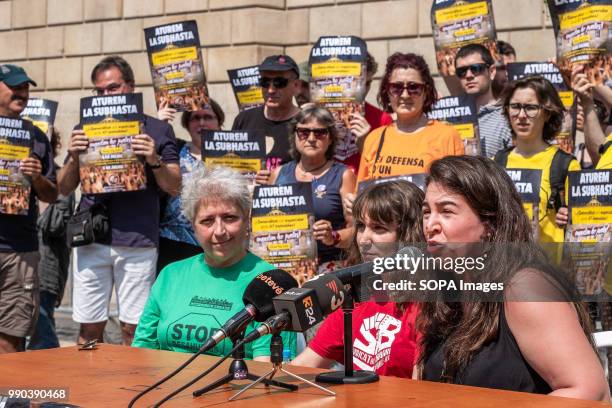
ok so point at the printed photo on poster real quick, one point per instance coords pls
(246, 86)
(582, 34)
(461, 113)
(281, 228)
(41, 112)
(242, 150)
(566, 137)
(110, 165)
(457, 23)
(588, 245)
(528, 183)
(176, 65)
(337, 83)
(16, 138)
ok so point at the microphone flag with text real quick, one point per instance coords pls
(257, 299)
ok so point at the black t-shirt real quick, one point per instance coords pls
(498, 364)
(18, 232)
(277, 132)
(134, 215)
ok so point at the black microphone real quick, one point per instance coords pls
(306, 306)
(257, 298)
(271, 326)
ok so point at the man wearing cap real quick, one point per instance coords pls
(280, 83)
(18, 238)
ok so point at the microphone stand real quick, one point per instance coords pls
(238, 370)
(276, 358)
(348, 376)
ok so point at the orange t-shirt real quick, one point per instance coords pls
(407, 153)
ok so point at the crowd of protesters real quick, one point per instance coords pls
(176, 254)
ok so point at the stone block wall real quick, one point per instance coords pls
(59, 41)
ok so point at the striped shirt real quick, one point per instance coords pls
(495, 133)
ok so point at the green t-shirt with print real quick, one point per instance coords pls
(190, 301)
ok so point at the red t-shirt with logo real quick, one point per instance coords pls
(384, 338)
(376, 118)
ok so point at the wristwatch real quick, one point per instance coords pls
(158, 163)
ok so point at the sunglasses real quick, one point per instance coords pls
(476, 69)
(414, 88)
(531, 110)
(277, 82)
(304, 133)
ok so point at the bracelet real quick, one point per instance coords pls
(336, 237)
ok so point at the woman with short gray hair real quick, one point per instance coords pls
(210, 183)
(192, 297)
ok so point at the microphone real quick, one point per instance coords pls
(271, 326)
(257, 298)
(301, 308)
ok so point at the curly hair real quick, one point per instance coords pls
(416, 62)
(214, 183)
(547, 96)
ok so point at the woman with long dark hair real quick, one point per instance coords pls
(521, 342)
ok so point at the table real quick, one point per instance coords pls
(111, 375)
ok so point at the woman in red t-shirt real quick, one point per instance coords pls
(384, 334)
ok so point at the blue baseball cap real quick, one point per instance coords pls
(12, 75)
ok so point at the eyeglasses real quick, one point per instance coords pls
(205, 118)
(109, 89)
(476, 69)
(414, 88)
(278, 82)
(303, 133)
(531, 110)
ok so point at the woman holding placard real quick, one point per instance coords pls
(177, 239)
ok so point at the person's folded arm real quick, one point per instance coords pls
(551, 339)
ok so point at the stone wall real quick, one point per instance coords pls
(59, 41)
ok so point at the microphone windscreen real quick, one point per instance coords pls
(263, 288)
(330, 292)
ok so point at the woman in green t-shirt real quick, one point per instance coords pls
(191, 299)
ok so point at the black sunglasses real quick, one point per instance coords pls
(303, 133)
(476, 69)
(277, 82)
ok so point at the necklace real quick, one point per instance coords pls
(305, 172)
